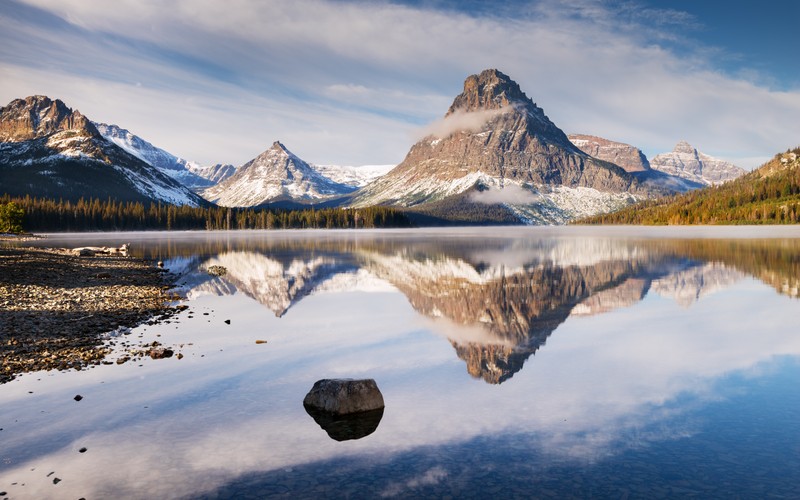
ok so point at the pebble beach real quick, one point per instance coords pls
(57, 308)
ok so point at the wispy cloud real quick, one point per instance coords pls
(461, 121)
(350, 82)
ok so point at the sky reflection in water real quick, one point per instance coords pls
(578, 362)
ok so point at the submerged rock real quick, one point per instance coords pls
(342, 396)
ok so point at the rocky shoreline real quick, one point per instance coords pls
(57, 308)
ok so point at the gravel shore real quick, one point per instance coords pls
(55, 307)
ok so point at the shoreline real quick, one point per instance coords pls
(57, 308)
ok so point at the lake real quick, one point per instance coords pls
(514, 362)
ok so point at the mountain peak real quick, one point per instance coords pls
(39, 116)
(687, 162)
(276, 175)
(491, 89)
(685, 147)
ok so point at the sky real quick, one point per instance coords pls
(354, 82)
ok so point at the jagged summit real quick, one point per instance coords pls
(490, 89)
(276, 175)
(493, 136)
(685, 147)
(687, 162)
(39, 116)
(55, 152)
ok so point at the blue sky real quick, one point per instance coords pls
(354, 82)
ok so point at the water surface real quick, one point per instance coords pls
(528, 362)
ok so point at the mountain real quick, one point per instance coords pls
(626, 156)
(633, 161)
(190, 174)
(768, 195)
(353, 176)
(496, 147)
(49, 150)
(275, 176)
(686, 162)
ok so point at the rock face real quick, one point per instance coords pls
(273, 176)
(38, 116)
(188, 173)
(342, 396)
(494, 136)
(49, 150)
(686, 162)
(626, 156)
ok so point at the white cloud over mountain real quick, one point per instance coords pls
(351, 82)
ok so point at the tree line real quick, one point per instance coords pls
(41, 214)
(768, 195)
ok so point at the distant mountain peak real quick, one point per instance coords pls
(685, 147)
(39, 116)
(56, 152)
(276, 175)
(687, 162)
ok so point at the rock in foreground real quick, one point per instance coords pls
(343, 396)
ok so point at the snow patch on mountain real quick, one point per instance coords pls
(687, 162)
(355, 176)
(275, 175)
(188, 173)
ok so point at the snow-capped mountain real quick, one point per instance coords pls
(494, 138)
(276, 175)
(351, 175)
(49, 150)
(188, 173)
(686, 162)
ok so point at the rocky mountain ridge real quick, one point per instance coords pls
(49, 150)
(686, 162)
(626, 156)
(191, 174)
(492, 137)
(38, 116)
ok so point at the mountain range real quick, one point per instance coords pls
(188, 173)
(49, 150)
(275, 176)
(494, 156)
(769, 194)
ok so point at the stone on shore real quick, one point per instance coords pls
(343, 396)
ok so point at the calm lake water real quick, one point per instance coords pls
(514, 362)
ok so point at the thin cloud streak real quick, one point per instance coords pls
(351, 82)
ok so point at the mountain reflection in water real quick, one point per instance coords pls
(670, 369)
(496, 300)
